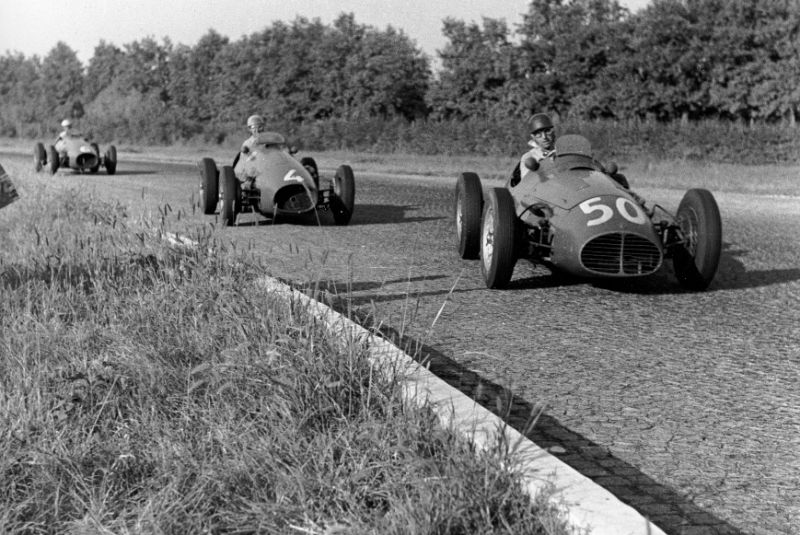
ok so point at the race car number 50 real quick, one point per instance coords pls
(625, 207)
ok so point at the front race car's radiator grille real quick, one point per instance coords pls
(294, 198)
(297, 203)
(621, 254)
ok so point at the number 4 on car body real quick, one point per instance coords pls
(269, 181)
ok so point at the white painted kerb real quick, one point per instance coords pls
(584, 504)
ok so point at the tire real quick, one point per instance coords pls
(231, 196)
(468, 206)
(96, 150)
(311, 166)
(696, 261)
(209, 185)
(497, 238)
(344, 194)
(39, 157)
(110, 160)
(52, 160)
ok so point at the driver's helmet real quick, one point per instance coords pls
(542, 130)
(66, 124)
(255, 123)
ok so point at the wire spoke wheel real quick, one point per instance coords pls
(497, 239)
(696, 260)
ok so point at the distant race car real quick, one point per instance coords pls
(76, 152)
(574, 215)
(268, 180)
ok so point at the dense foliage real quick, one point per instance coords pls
(735, 61)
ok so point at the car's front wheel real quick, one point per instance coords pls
(231, 196)
(39, 156)
(110, 160)
(498, 256)
(311, 167)
(209, 185)
(52, 160)
(469, 203)
(696, 260)
(96, 151)
(344, 194)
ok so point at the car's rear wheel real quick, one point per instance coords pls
(498, 256)
(469, 203)
(231, 196)
(39, 156)
(344, 195)
(96, 151)
(110, 160)
(52, 160)
(311, 166)
(696, 261)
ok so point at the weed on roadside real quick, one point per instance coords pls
(152, 388)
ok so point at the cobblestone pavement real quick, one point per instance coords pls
(685, 405)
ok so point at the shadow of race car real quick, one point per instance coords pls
(75, 152)
(268, 180)
(572, 214)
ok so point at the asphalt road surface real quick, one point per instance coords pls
(685, 405)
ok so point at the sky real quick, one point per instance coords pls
(33, 27)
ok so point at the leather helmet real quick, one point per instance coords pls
(540, 121)
(255, 120)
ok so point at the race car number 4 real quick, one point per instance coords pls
(292, 176)
(625, 207)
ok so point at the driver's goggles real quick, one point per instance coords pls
(542, 132)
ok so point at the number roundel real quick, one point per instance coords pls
(601, 212)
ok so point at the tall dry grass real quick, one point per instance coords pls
(148, 388)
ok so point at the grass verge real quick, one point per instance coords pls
(146, 388)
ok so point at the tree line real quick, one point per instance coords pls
(675, 60)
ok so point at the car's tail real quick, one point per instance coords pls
(8, 193)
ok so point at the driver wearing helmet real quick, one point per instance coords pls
(66, 124)
(543, 146)
(256, 125)
(542, 143)
(543, 138)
